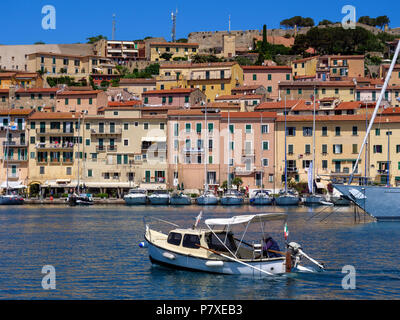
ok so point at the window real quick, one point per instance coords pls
(355, 148)
(287, 91)
(264, 128)
(248, 128)
(232, 128)
(307, 131)
(265, 162)
(174, 238)
(291, 131)
(41, 170)
(398, 148)
(269, 89)
(377, 132)
(324, 164)
(191, 241)
(210, 127)
(290, 149)
(188, 127)
(337, 131)
(69, 171)
(265, 145)
(176, 129)
(377, 148)
(337, 148)
(162, 126)
(66, 101)
(300, 91)
(90, 173)
(287, 77)
(145, 126)
(307, 149)
(355, 131)
(198, 128)
(324, 131)
(254, 77)
(88, 142)
(269, 77)
(324, 149)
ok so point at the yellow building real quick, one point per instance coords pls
(395, 78)
(305, 67)
(338, 140)
(174, 51)
(213, 79)
(294, 90)
(124, 149)
(21, 79)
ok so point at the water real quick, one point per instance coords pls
(96, 256)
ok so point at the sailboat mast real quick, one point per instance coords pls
(262, 167)
(205, 150)
(285, 151)
(229, 150)
(378, 104)
(313, 163)
(79, 155)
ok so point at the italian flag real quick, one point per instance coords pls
(286, 231)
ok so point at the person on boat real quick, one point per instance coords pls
(270, 244)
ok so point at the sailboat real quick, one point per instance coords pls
(77, 198)
(261, 197)
(313, 199)
(231, 197)
(207, 197)
(380, 202)
(9, 199)
(287, 198)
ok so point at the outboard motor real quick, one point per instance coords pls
(296, 253)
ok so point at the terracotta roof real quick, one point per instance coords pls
(390, 111)
(267, 68)
(247, 87)
(217, 105)
(4, 91)
(317, 83)
(37, 90)
(240, 97)
(55, 115)
(187, 112)
(16, 112)
(277, 105)
(84, 92)
(307, 118)
(7, 74)
(348, 105)
(176, 90)
(241, 115)
(125, 103)
(27, 75)
(306, 105)
(197, 65)
(137, 80)
(305, 59)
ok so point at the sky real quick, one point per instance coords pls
(76, 20)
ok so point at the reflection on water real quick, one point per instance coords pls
(96, 255)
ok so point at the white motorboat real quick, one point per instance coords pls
(216, 250)
(180, 199)
(136, 197)
(232, 198)
(159, 197)
(11, 200)
(207, 198)
(287, 198)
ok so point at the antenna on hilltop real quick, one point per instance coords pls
(173, 16)
(113, 27)
(229, 29)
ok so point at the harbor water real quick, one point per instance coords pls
(95, 254)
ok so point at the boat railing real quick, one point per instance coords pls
(157, 224)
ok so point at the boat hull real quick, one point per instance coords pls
(287, 201)
(159, 201)
(180, 201)
(11, 202)
(135, 201)
(231, 201)
(207, 201)
(180, 261)
(261, 201)
(313, 201)
(382, 203)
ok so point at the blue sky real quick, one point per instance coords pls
(21, 21)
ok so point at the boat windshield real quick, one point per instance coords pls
(134, 191)
(215, 244)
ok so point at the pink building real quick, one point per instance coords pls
(267, 76)
(173, 97)
(248, 148)
(85, 101)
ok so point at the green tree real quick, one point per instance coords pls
(325, 22)
(166, 56)
(237, 181)
(92, 40)
(381, 21)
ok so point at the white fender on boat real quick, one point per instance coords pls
(214, 263)
(168, 255)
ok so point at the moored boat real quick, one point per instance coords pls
(216, 250)
(83, 199)
(232, 198)
(180, 199)
(159, 197)
(288, 198)
(207, 199)
(11, 200)
(261, 197)
(136, 197)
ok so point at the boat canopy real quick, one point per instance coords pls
(245, 219)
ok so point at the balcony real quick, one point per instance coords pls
(241, 171)
(13, 176)
(57, 146)
(15, 144)
(110, 132)
(248, 153)
(41, 131)
(11, 160)
(101, 148)
(191, 150)
(292, 170)
(112, 148)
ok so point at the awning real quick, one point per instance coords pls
(13, 185)
(154, 139)
(246, 219)
(153, 186)
(110, 184)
